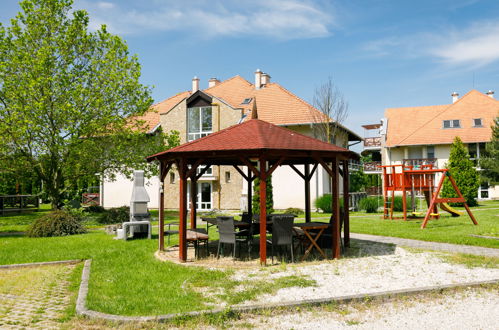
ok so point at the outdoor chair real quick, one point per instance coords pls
(326, 238)
(195, 236)
(169, 232)
(228, 235)
(282, 233)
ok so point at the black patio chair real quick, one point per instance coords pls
(169, 232)
(282, 233)
(228, 235)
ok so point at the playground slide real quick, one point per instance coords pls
(446, 207)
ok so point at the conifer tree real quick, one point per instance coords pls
(490, 162)
(256, 196)
(464, 173)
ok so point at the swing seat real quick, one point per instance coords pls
(434, 214)
(417, 213)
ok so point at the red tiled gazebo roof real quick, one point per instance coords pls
(253, 136)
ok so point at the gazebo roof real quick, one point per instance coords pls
(250, 139)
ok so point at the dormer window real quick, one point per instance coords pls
(199, 122)
(455, 123)
(477, 122)
(247, 100)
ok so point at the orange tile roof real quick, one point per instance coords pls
(423, 125)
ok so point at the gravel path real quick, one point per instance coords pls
(470, 309)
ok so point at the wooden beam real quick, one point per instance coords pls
(272, 169)
(164, 169)
(336, 235)
(161, 225)
(250, 193)
(346, 204)
(182, 210)
(203, 171)
(326, 166)
(248, 163)
(241, 172)
(297, 171)
(306, 178)
(192, 171)
(461, 196)
(193, 198)
(263, 211)
(313, 170)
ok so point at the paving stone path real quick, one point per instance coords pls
(453, 248)
(34, 297)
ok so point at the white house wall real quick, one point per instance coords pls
(118, 193)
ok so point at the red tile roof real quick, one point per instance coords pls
(253, 135)
(423, 125)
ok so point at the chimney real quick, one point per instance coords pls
(195, 84)
(455, 97)
(490, 94)
(258, 79)
(213, 82)
(265, 78)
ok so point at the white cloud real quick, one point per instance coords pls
(279, 19)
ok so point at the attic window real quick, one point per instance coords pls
(477, 122)
(247, 100)
(455, 123)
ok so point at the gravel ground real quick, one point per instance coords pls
(469, 309)
(376, 268)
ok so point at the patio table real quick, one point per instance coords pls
(195, 236)
(307, 227)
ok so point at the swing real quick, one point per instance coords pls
(420, 196)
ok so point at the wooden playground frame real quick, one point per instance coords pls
(407, 179)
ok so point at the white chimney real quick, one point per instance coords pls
(490, 94)
(265, 78)
(195, 84)
(455, 97)
(258, 79)
(213, 82)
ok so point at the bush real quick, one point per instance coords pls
(369, 204)
(324, 203)
(115, 215)
(57, 223)
(95, 209)
(294, 210)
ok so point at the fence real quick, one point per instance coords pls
(18, 203)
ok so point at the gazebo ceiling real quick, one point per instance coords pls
(253, 139)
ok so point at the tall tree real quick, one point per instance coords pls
(67, 96)
(490, 161)
(464, 173)
(256, 196)
(333, 111)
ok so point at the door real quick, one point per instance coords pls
(203, 200)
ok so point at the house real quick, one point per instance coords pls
(423, 135)
(197, 113)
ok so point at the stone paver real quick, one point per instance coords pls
(453, 248)
(34, 297)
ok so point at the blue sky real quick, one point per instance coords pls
(379, 53)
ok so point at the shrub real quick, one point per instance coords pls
(294, 210)
(369, 204)
(324, 203)
(57, 223)
(95, 209)
(115, 215)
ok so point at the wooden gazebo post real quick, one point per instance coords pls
(346, 204)
(335, 207)
(263, 210)
(182, 237)
(307, 193)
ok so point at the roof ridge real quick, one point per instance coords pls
(227, 80)
(171, 97)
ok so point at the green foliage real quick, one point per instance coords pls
(464, 173)
(115, 215)
(70, 99)
(294, 210)
(324, 203)
(490, 161)
(369, 204)
(358, 180)
(95, 209)
(256, 196)
(57, 223)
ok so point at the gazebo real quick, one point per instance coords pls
(261, 147)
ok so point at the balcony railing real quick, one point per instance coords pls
(417, 162)
(372, 167)
(372, 142)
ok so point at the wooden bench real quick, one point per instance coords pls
(194, 236)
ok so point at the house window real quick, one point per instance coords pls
(208, 172)
(247, 100)
(227, 176)
(172, 177)
(477, 122)
(430, 152)
(199, 122)
(455, 123)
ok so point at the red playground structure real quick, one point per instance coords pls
(405, 178)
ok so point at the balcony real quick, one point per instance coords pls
(372, 142)
(418, 162)
(372, 167)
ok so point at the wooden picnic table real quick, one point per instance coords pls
(307, 227)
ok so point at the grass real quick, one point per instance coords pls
(471, 261)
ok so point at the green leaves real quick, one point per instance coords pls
(490, 161)
(66, 96)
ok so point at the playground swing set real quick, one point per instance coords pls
(406, 178)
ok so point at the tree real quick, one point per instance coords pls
(67, 96)
(333, 111)
(463, 172)
(490, 161)
(256, 196)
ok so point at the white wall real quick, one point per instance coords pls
(118, 193)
